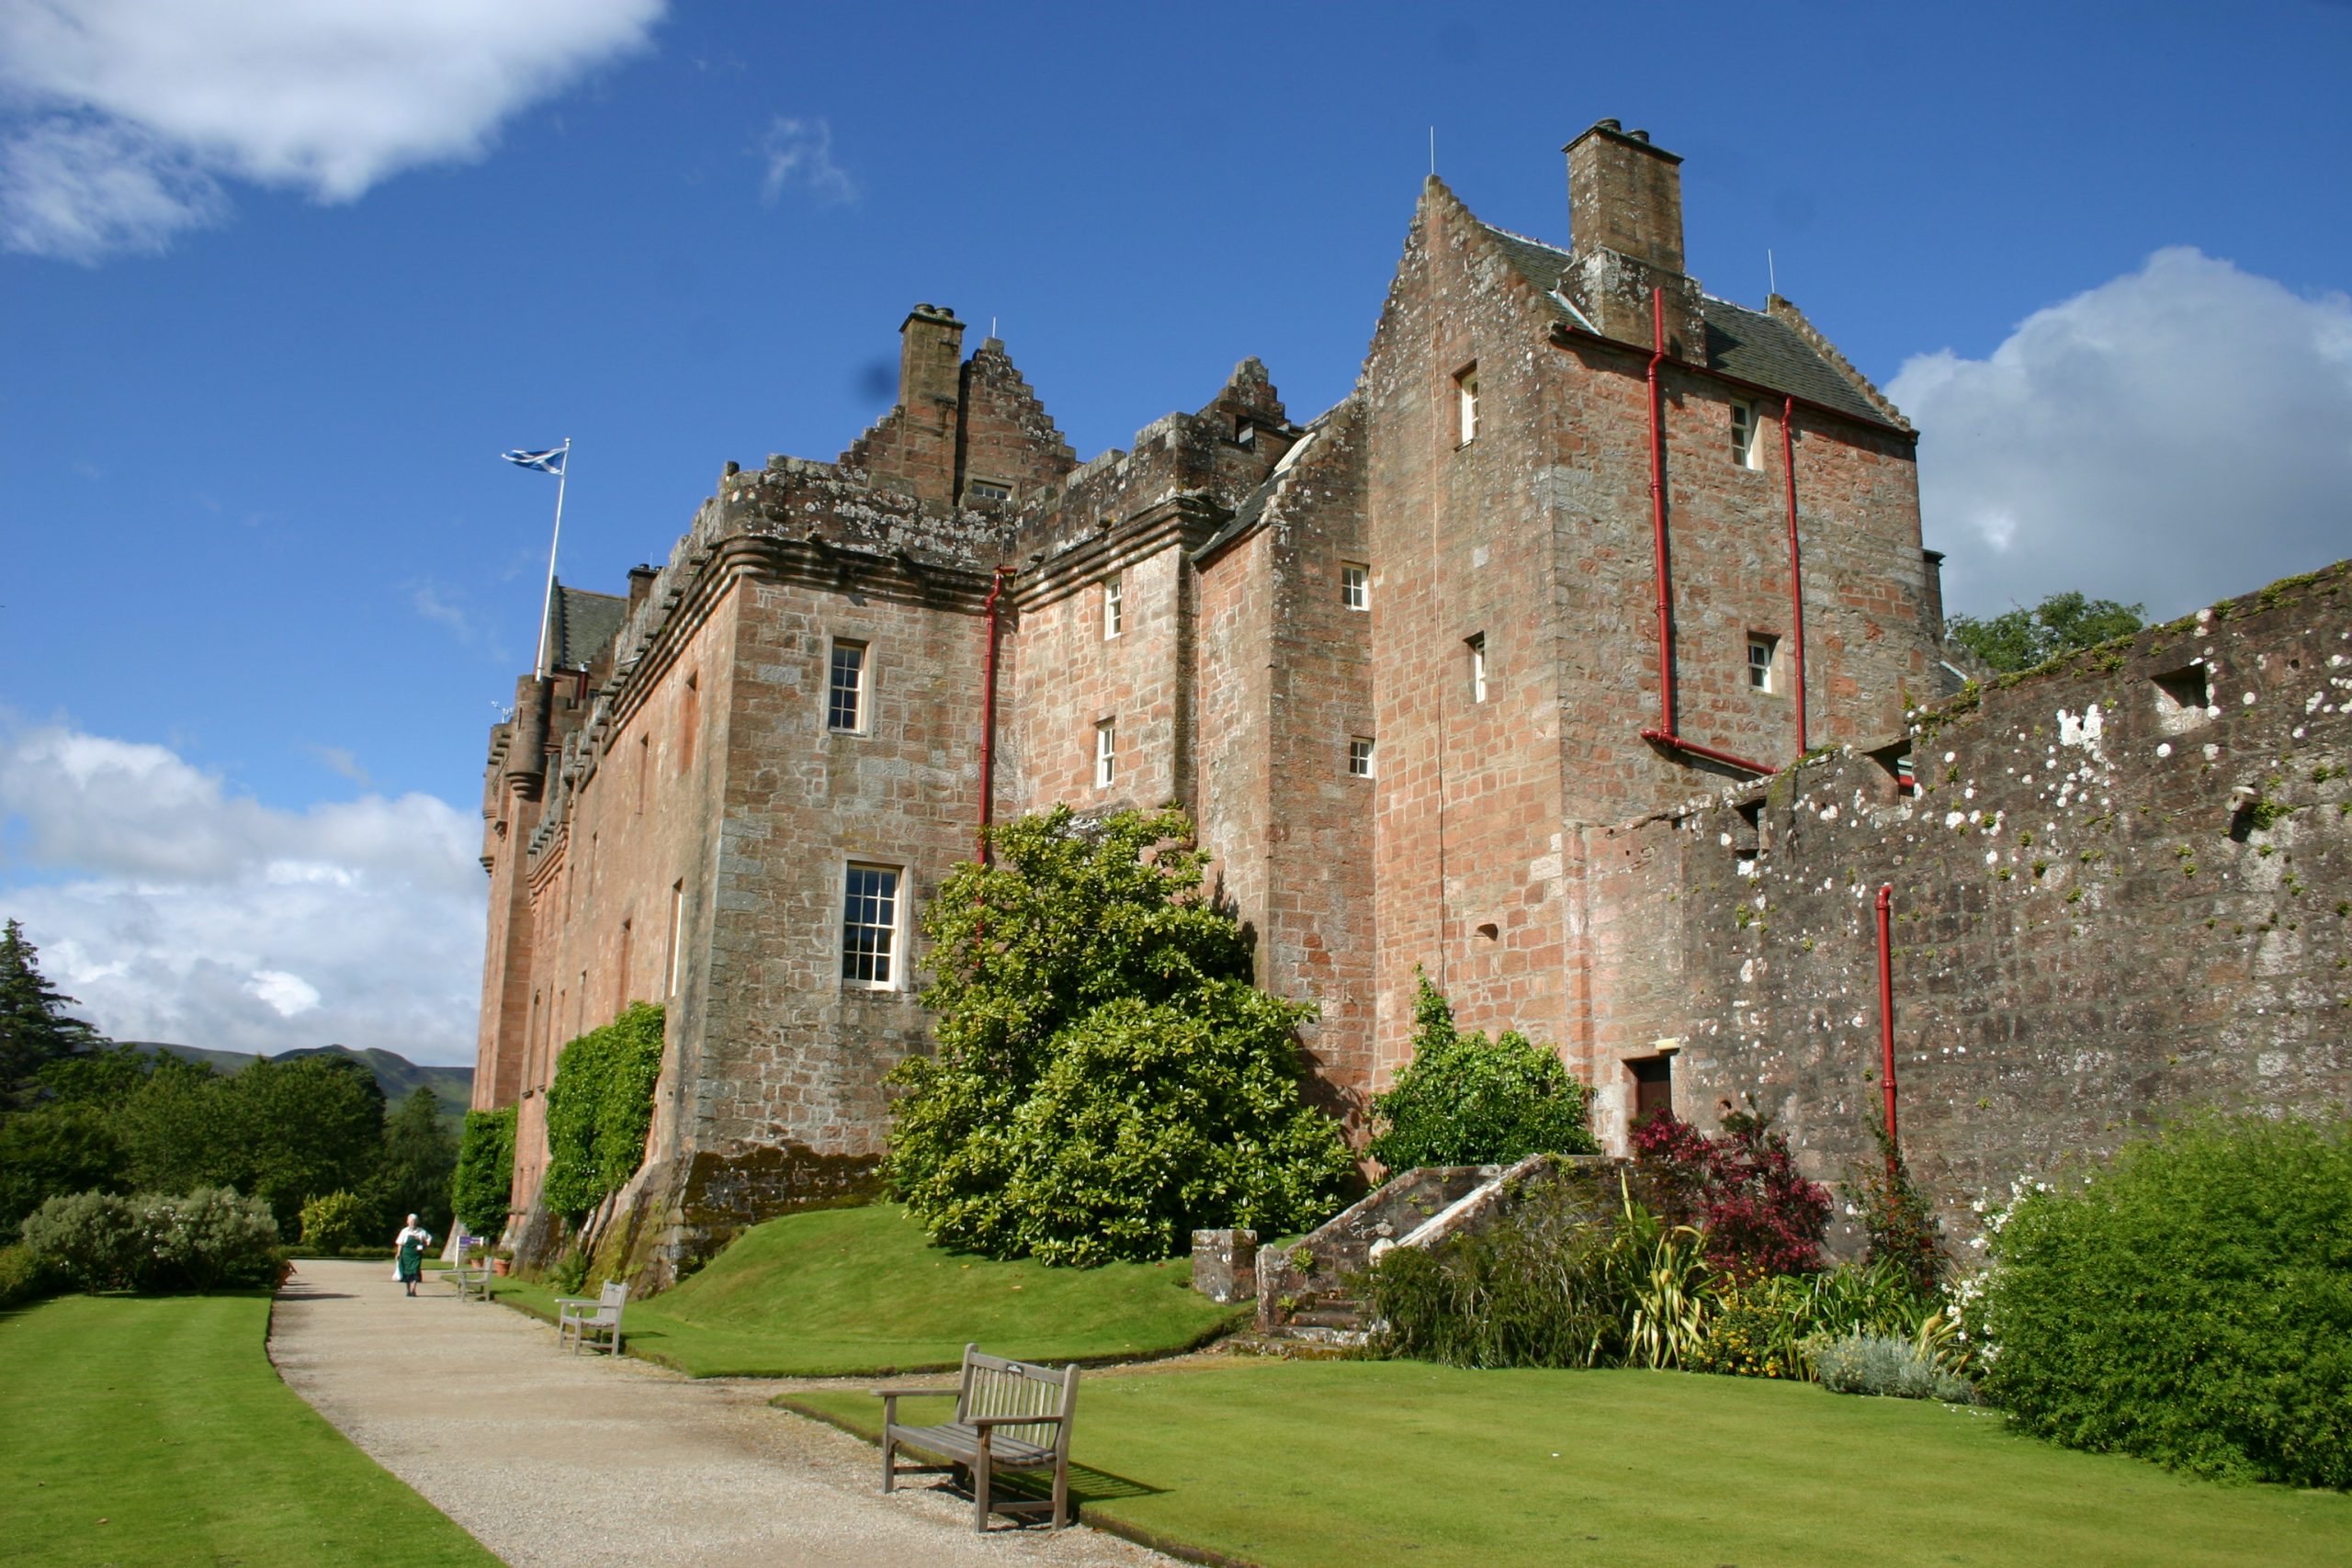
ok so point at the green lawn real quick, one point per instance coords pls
(1341, 1464)
(153, 1430)
(843, 1291)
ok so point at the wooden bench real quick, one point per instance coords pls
(471, 1276)
(597, 1322)
(1010, 1415)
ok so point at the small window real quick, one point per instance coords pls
(1359, 757)
(689, 720)
(1355, 586)
(870, 927)
(1466, 399)
(987, 489)
(644, 766)
(845, 699)
(1759, 660)
(1114, 599)
(677, 934)
(1744, 450)
(1478, 645)
(1106, 753)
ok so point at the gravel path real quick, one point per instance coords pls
(596, 1463)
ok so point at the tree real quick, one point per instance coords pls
(1107, 1078)
(307, 1126)
(2064, 622)
(1465, 1099)
(35, 1028)
(55, 1151)
(179, 1128)
(419, 1154)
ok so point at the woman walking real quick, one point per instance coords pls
(412, 1241)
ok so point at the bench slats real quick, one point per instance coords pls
(1035, 1405)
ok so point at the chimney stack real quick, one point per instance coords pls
(640, 583)
(1626, 217)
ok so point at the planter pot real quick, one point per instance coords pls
(501, 1265)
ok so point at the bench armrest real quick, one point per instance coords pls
(910, 1393)
(984, 1422)
(576, 1300)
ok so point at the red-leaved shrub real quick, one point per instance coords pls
(1741, 1186)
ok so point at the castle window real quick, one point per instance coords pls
(987, 489)
(689, 715)
(845, 699)
(1744, 450)
(644, 766)
(1114, 599)
(1355, 586)
(870, 927)
(1478, 647)
(1465, 404)
(677, 934)
(1359, 757)
(1106, 753)
(1760, 650)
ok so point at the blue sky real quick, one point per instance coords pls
(274, 293)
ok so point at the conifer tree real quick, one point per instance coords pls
(35, 1028)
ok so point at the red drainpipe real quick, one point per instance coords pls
(1658, 520)
(987, 720)
(1664, 734)
(1796, 564)
(1887, 1012)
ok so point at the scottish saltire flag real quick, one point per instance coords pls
(548, 462)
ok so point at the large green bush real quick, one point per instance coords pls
(334, 1223)
(600, 1107)
(97, 1241)
(484, 1182)
(2190, 1304)
(56, 1149)
(1107, 1079)
(89, 1240)
(1465, 1099)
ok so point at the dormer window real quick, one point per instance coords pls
(1465, 404)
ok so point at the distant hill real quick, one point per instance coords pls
(395, 1075)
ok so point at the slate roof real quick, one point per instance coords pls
(582, 625)
(1742, 342)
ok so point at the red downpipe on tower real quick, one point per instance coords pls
(1664, 734)
(1796, 565)
(1887, 1012)
(987, 720)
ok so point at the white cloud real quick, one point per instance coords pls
(2173, 437)
(340, 760)
(127, 112)
(175, 909)
(799, 154)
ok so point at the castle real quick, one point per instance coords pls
(1501, 668)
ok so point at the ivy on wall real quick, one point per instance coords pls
(600, 1107)
(484, 1179)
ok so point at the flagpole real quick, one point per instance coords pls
(547, 605)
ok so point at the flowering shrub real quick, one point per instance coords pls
(90, 1240)
(95, 1241)
(1742, 1188)
(2192, 1304)
(210, 1238)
